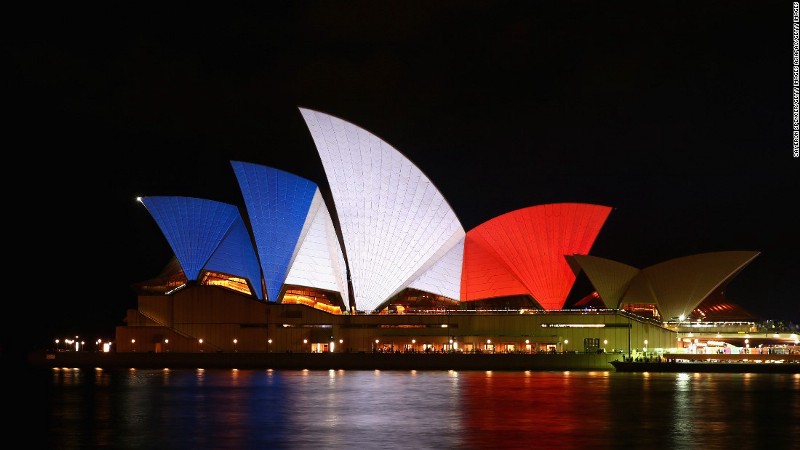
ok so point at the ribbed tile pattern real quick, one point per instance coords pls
(444, 276)
(485, 275)
(194, 227)
(394, 221)
(532, 243)
(236, 256)
(319, 262)
(277, 205)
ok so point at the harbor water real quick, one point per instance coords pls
(388, 409)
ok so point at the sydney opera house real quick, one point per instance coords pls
(388, 267)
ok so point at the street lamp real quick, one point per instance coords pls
(235, 341)
(269, 345)
(566, 341)
(57, 344)
(201, 343)
(605, 342)
(166, 345)
(133, 344)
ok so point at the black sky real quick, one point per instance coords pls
(676, 114)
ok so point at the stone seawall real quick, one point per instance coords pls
(327, 361)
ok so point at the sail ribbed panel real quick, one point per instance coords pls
(393, 219)
(319, 262)
(444, 276)
(680, 285)
(193, 227)
(610, 278)
(277, 205)
(236, 256)
(486, 276)
(532, 244)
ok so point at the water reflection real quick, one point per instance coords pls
(541, 410)
(415, 409)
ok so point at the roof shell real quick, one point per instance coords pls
(206, 234)
(395, 224)
(319, 262)
(677, 286)
(610, 278)
(529, 245)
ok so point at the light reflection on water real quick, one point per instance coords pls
(414, 409)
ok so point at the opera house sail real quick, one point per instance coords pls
(395, 224)
(206, 235)
(293, 231)
(523, 252)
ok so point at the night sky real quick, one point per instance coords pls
(677, 116)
